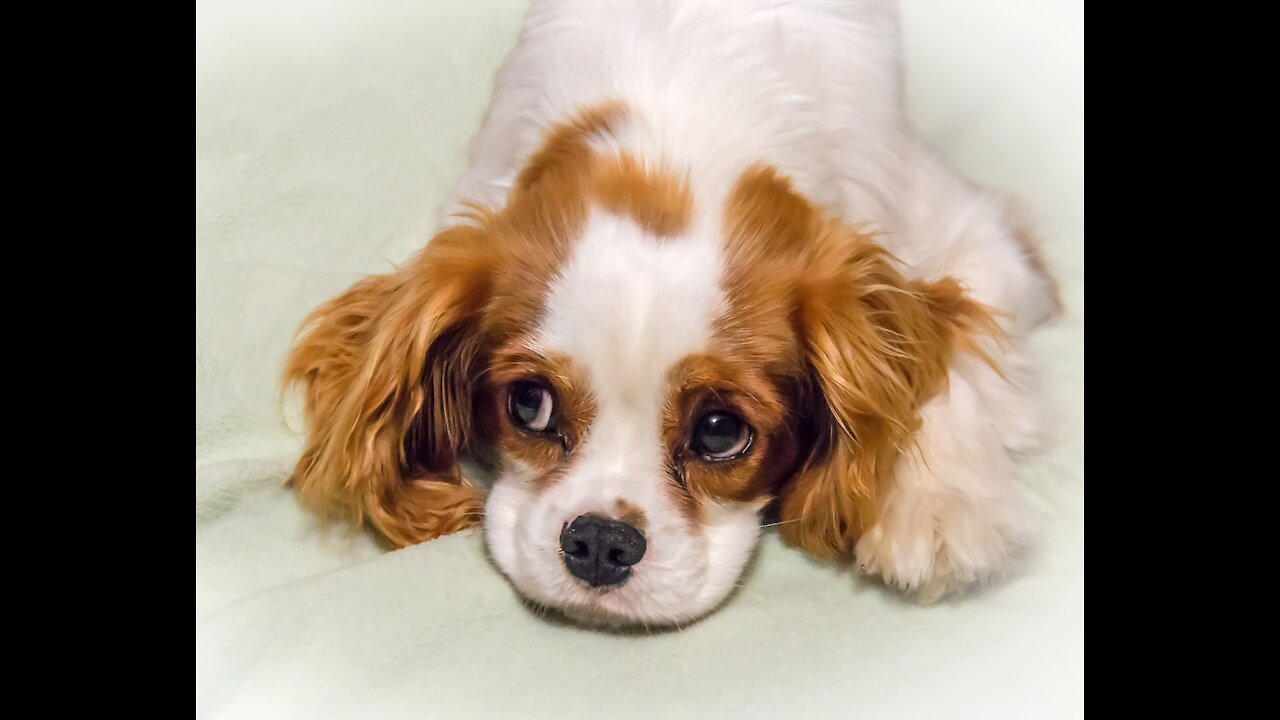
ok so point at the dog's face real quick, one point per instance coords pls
(650, 372)
(640, 435)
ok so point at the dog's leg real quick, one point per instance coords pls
(952, 515)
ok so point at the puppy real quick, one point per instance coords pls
(698, 266)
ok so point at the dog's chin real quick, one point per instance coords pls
(634, 605)
(631, 606)
(603, 612)
(597, 617)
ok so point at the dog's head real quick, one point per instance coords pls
(650, 371)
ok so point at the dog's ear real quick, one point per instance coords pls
(387, 370)
(390, 369)
(877, 346)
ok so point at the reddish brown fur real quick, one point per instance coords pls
(811, 296)
(388, 366)
(386, 426)
(575, 408)
(706, 382)
(656, 199)
(630, 514)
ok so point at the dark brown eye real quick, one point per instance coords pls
(721, 436)
(531, 406)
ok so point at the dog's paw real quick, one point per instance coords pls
(933, 556)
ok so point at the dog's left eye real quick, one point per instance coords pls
(531, 406)
(721, 436)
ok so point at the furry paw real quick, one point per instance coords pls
(934, 556)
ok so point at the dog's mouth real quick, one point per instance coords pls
(594, 616)
(603, 606)
(588, 610)
(623, 606)
(601, 590)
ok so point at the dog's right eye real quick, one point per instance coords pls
(531, 406)
(721, 436)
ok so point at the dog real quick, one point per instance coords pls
(698, 270)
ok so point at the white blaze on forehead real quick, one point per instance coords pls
(626, 307)
(629, 305)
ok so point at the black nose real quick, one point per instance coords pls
(599, 550)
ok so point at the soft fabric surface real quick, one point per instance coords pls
(327, 132)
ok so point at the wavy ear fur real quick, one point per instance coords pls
(877, 346)
(386, 370)
(390, 369)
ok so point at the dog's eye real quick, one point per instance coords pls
(531, 406)
(721, 436)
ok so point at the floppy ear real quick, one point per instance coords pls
(390, 367)
(387, 371)
(877, 346)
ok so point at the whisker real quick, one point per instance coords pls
(781, 522)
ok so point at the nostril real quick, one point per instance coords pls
(626, 545)
(577, 549)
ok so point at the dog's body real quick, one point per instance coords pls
(676, 209)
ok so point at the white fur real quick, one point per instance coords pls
(712, 87)
(626, 307)
(953, 516)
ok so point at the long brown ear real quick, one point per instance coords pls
(878, 346)
(387, 370)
